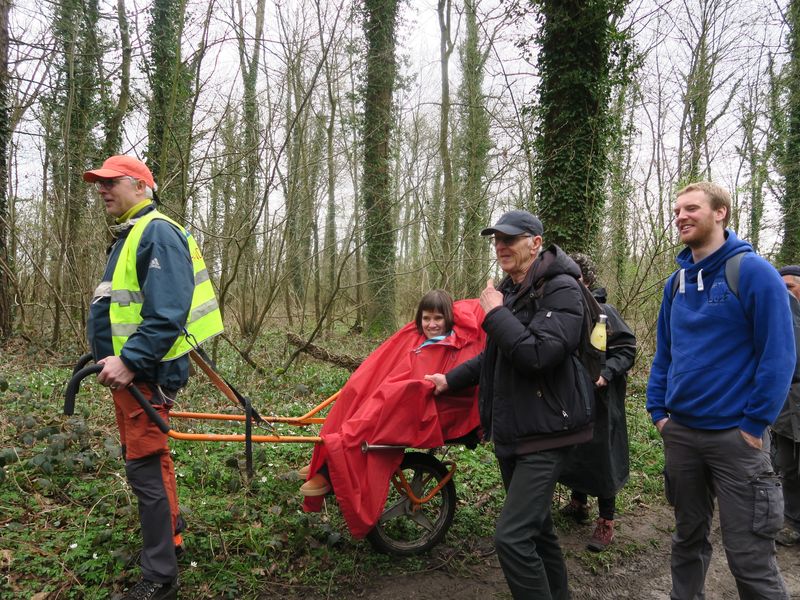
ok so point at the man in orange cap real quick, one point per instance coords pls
(154, 297)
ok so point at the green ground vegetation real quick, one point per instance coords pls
(68, 520)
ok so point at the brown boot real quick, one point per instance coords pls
(576, 510)
(603, 535)
(316, 486)
(788, 537)
(303, 471)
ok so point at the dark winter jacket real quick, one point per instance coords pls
(601, 467)
(788, 422)
(530, 399)
(166, 277)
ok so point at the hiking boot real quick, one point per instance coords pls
(151, 590)
(603, 535)
(788, 537)
(576, 510)
(316, 486)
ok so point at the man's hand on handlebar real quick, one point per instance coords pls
(115, 373)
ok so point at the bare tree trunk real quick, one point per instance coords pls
(114, 120)
(451, 213)
(6, 258)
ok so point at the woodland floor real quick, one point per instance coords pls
(643, 574)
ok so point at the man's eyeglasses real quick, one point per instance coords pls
(508, 240)
(107, 184)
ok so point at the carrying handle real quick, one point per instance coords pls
(80, 374)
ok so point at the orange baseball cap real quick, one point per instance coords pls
(120, 166)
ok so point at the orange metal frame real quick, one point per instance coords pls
(310, 418)
(400, 483)
(307, 419)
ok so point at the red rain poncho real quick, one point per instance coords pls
(387, 401)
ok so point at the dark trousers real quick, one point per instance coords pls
(787, 463)
(700, 465)
(605, 506)
(527, 545)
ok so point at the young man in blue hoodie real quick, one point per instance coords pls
(724, 360)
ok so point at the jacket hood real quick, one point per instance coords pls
(551, 261)
(600, 295)
(711, 264)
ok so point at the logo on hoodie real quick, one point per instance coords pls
(719, 291)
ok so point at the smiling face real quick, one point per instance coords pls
(433, 323)
(699, 225)
(516, 253)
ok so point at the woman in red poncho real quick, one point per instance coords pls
(387, 401)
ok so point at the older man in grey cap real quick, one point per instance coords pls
(533, 395)
(786, 430)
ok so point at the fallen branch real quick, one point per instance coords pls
(342, 360)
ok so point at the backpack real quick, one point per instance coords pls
(732, 267)
(592, 359)
(588, 360)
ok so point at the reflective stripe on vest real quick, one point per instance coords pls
(205, 319)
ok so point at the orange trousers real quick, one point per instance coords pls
(141, 438)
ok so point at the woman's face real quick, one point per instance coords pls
(433, 323)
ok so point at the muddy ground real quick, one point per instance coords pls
(640, 570)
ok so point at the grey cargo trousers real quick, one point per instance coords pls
(701, 465)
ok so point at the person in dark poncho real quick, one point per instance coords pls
(600, 467)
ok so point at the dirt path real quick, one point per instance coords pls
(640, 569)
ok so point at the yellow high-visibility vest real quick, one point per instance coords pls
(125, 312)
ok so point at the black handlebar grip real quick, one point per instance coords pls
(82, 362)
(74, 384)
(80, 375)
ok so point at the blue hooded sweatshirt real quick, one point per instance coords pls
(722, 361)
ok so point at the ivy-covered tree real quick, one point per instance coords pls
(115, 111)
(474, 145)
(789, 156)
(73, 108)
(575, 42)
(380, 19)
(169, 124)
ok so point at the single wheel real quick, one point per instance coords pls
(403, 531)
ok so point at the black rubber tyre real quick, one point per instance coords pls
(403, 532)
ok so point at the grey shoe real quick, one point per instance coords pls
(151, 590)
(788, 537)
